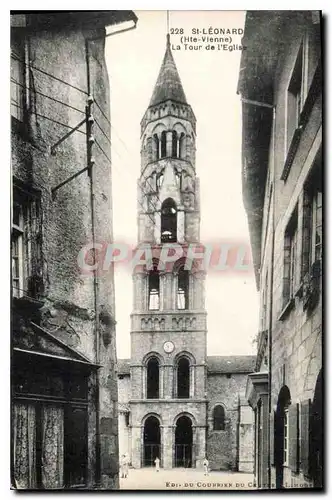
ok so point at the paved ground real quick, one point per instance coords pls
(186, 479)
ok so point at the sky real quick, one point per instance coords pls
(209, 79)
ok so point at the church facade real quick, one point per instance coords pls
(175, 402)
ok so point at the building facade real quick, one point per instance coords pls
(281, 89)
(64, 387)
(175, 402)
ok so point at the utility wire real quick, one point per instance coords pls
(82, 132)
(100, 128)
(102, 112)
(48, 97)
(102, 131)
(29, 65)
(48, 118)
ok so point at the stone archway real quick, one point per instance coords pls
(183, 449)
(151, 441)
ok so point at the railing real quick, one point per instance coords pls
(183, 455)
(151, 452)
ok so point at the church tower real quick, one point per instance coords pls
(168, 370)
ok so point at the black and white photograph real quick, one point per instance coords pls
(166, 213)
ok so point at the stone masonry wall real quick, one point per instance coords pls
(297, 335)
(66, 218)
(223, 446)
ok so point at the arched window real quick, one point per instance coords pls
(174, 144)
(183, 442)
(281, 436)
(160, 178)
(219, 418)
(183, 378)
(154, 289)
(168, 221)
(152, 378)
(181, 153)
(152, 448)
(177, 178)
(183, 289)
(156, 155)
(163, 144)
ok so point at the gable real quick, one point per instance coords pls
(31, 338)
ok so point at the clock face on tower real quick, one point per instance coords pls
(168, 347)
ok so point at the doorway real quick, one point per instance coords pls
(316, 452)
(281, 435)
(152, 448)
(183, 442)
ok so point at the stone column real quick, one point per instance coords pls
(174, 291)
(137, 445)
(265, 438)
(161, 381)
(168, 446)
(195, 446)
(140, 291)
(191, 298)
(199, 290)
(129, 443)
(157, 226)
(200, 445)
(192, 381)
(180, 226)
(189, 147)
(168, 379)
(162, 294)
(167, 289)
(169, 143)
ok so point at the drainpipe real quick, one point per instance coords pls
(90, 165)
(271, 292)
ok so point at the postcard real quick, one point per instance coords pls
(166, 250)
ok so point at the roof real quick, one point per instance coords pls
(231, 364)
(168, 85)
(267, 37)
(215, 364)
(263, 34)
(123, 366)
(66, 19)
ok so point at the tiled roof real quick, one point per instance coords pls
(215, 364)
(231, 364)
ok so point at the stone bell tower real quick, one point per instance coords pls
(168, 323)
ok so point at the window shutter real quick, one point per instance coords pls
(305, 434)
(293, 432)
(272, 431)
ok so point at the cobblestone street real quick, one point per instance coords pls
(186, 479)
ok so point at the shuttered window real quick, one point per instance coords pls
(272, 431)
(293, 437)
(17, 77)
(26, 244)
(290, 277)
(305, 435)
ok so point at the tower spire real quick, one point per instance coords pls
(168, 85)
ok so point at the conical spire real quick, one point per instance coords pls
(168, 85)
